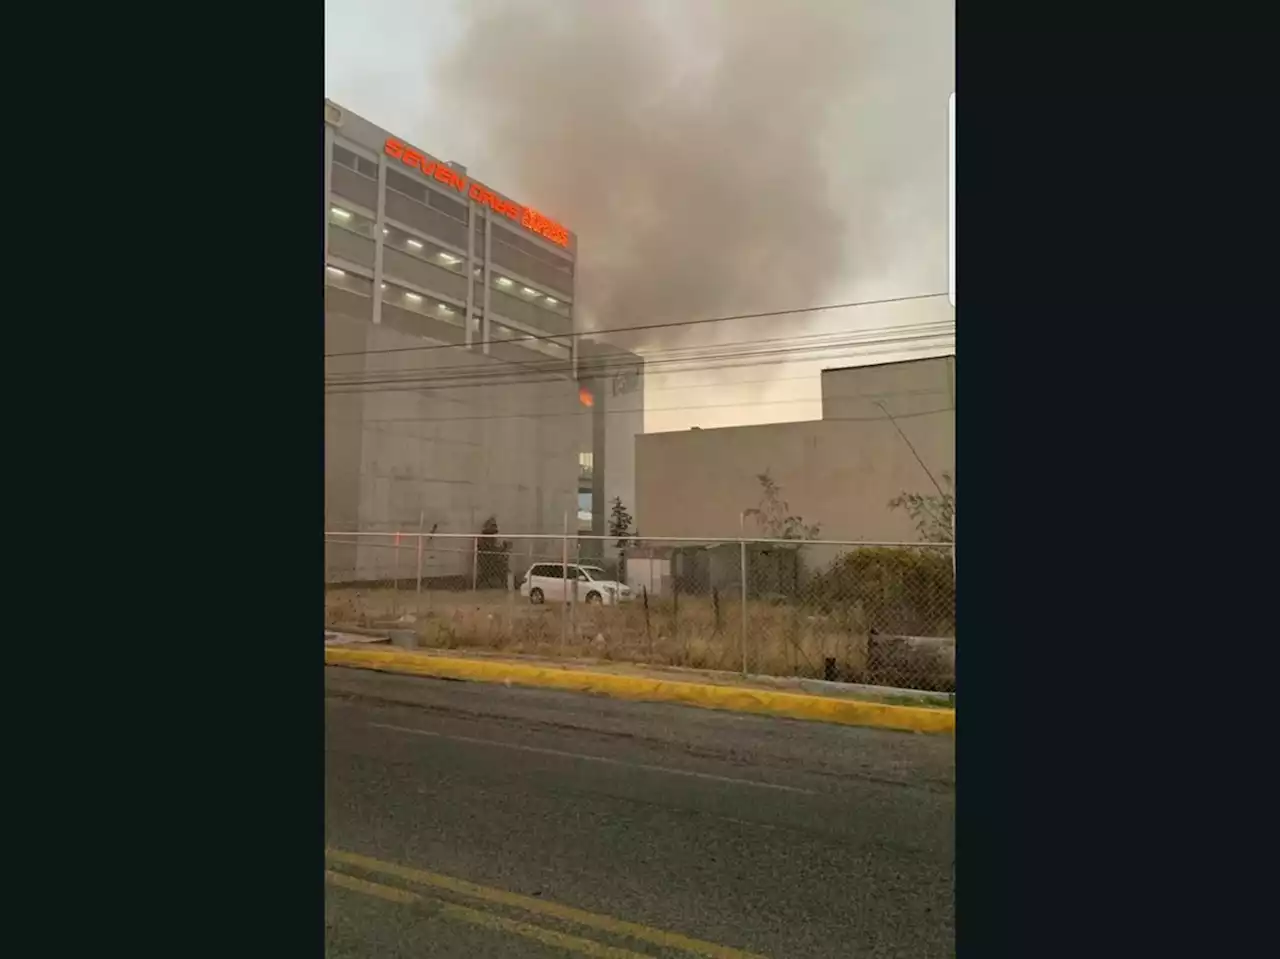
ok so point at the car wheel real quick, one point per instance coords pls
(593, 599)
(535, 595)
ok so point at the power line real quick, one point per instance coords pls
(433, 379)
(708, 360)
(911, 446)
(405, 389)
(824, 355)
(661, 409)
(656, 326)
(412, 387)
(479, 370)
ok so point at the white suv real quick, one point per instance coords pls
(546, 581)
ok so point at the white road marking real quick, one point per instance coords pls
(595, 759)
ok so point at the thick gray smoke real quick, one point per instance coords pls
(682, 140)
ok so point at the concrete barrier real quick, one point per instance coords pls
(644, 688)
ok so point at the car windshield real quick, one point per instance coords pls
(594, 573)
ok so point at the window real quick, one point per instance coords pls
(353, 161)
(417, 214)
(339, 216)
(407, 185)
(421, 303)
(417, 190)
(551, 348)
(586, 463)
(424, 250)
(539, 298)
(554, 304)
(535, 250)
(342, 279)
(500, 332)
(584, 508)
(347, 293)
(519, 301)
(447, 205)
(529, 259)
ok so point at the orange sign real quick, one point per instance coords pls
(526, 216)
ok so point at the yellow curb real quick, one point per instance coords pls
(849, 712)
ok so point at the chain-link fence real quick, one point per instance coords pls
(875, 613)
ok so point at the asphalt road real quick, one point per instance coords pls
(478, 820)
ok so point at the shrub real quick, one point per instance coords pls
(904, 591)
(493, 558)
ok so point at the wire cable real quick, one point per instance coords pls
(661, 409)
(828, 349)
(479, 369)
(657, 326)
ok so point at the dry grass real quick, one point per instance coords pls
(697, 632)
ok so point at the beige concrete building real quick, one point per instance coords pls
(839, 471)
(457, 383)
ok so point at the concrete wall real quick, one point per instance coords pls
(904, 389)
(839, 472)
(453, 455)
(616, 379)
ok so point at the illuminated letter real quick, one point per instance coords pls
(394, 148)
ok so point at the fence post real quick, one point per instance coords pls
(742, 563)
(564, 583)
(475, 561)
(395, 581)
(675, 615)
(742, 558)
(953, 543)
(573, 591)
(648, 634)
(421, 517)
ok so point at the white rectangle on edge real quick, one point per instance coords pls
(951, 204)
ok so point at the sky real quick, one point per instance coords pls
(713, 157)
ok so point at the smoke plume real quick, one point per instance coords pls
(682, 140)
